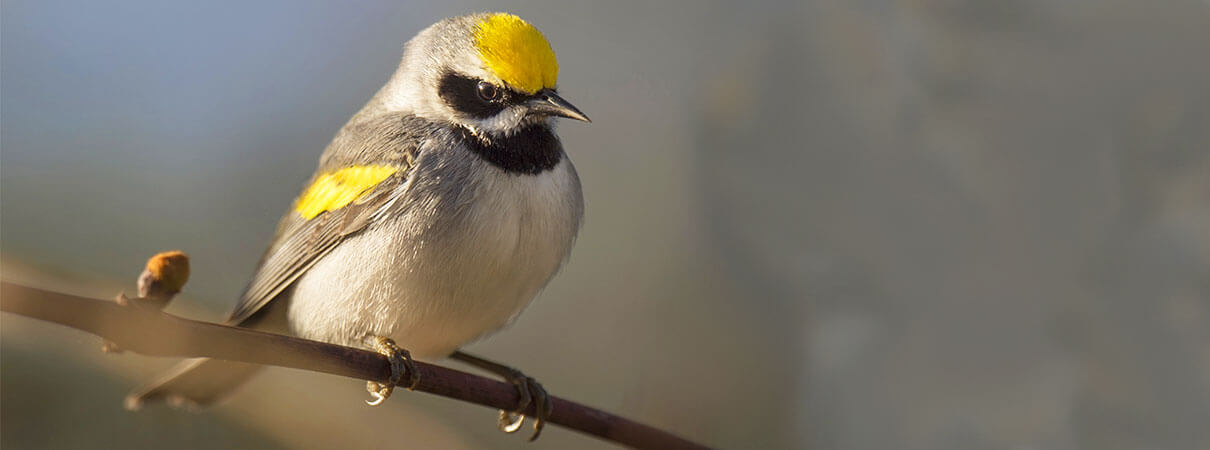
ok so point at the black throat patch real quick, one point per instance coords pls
(532, 150)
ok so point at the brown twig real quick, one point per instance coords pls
(151, 332)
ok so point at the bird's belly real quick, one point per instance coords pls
(434, 283)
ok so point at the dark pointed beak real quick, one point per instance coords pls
(547, 102)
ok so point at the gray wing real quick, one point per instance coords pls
(300, 243)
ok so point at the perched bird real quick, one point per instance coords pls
(436, 215)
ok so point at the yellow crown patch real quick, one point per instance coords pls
(334, 190)
(515, 51)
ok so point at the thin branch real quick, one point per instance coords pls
(150, 332)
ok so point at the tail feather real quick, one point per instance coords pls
(194, 384)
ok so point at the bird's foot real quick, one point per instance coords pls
(401, 363)
(531, 391)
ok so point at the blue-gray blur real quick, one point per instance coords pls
(820, 224)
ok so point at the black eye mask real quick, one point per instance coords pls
(464, 94)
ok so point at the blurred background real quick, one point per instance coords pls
(817, 224)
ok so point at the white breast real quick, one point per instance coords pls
(469, 250)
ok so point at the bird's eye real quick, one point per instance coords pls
(488, 91)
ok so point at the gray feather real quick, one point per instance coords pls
(386, 139)
(193, 384)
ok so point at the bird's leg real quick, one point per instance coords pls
(530, 390)
(401, 362)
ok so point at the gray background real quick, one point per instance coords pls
(820, 224)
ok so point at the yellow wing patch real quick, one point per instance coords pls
(515, 51)
(334, 190)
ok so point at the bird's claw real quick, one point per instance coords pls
(378, 391)
(531, 392)
(401, 363)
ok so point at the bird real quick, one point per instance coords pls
(435, 216)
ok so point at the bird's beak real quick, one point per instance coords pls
(547, 102)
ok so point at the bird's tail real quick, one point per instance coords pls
(194, 384)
